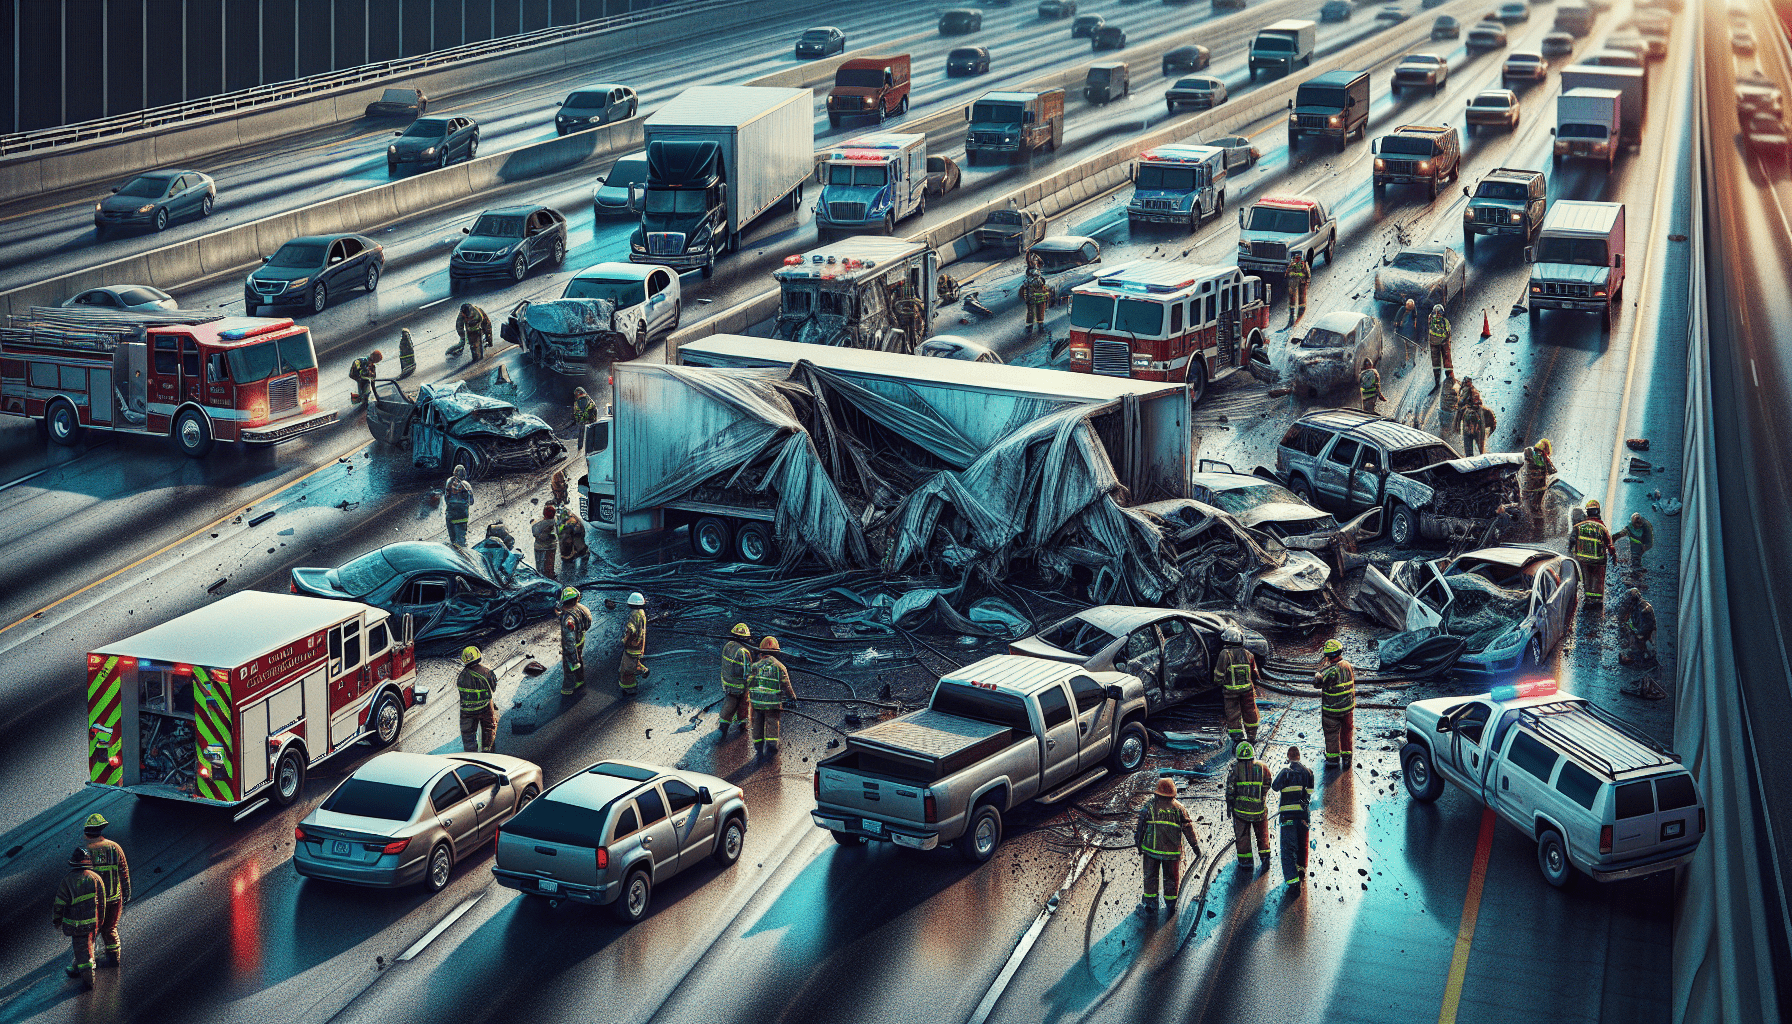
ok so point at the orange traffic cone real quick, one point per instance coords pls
(1486, 328)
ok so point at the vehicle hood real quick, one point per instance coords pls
(127, 204)
(1444, 471)
(321, 582)
(1417, 69)
(415, 144)
(1278, 512)
(611, 195)
(1317, 110)
(1321, 367)
(580, 318)
(857, 90)
(1304, 572)
(268, 273)
(1480, 202)
(582, 113)
(1253, 235)
(1001, 230)
(1570, 273)
(466, 414)
(487, 243)
(1407, 282)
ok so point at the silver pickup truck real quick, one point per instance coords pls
(996, 734)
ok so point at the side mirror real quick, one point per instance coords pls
(1618, 261)
(1465, 192)
(1530, 254)
(704, 796)
(634, 200)
(500, 782)
(1116, 693)
(398, 133)
(1241, 217)
(1290, 104)
(967, 113)
(420, 695)
(601, 180)
(1552, 131)
(466, 231)
(267, 259)
(1446, 725)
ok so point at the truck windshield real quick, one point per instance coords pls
(1320, 96)
(857, 174)
(665, 200)
(967, 701)
(1098, 76)
(1588, 252)
(1510, 191)
(1275, 218)
(1169, 179)
(271, 358)
(996, 113)
(859, 78)
(1582, 131)
(1406, 145)
(1269, 44)
(1091, 312)
(1139, 316)
(623, 292)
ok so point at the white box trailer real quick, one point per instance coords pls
(237, 700)
(1630, 83)
(1589, 125)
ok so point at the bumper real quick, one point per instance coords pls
(871, 828)
(374, 875)
(1159, 217)
(496, 268)
(1403, 179)
(992, 147)
(1321, 376)
(1500, 122)
(1577, 305)
(276, 432)
(290, 297)
(596, 895)
(1260, 266)
(1620, 871)
(1414, 83)
(115, 219)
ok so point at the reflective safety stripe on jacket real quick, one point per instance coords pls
(78, 900)
(1591, 538)
(584, 410)
(573, 624)
(1337, 687)
(1234, 669)
(1536, 470)
(1296, 785)
(771, 682)
(1299, 269)
(1370, 383)
(475, 684)
(734, 667)
(1244, 790)
(1439, 328)
(109, 863)
(1161, 826)
(634, 635)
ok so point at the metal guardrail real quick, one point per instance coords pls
(262, 95)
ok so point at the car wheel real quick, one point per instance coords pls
(192, 435)
(530, 792)
(320, 297)
(373, 277)
(753, 544)
(1130, 748)
(730, 842)
(1552, 858)
(709, 537)
(388, 720)
(981, 835)
(205, 206)
(442, 161)
(512, 620)
(64, 423)
(519, 267)
(637, 894)
(1197, 382)
(847, 838)
(1403, 527)
(162, 219)
(1170, 105)
(902, 108)
(1301, 489)
(559, 256)
(473, 148)
(1422, 781)
(1329, 246)
(441, 868)
(463, 459)
(391, 169)
(289, 777)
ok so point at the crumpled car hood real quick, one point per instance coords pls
(1409, 282)
(581, 317)
(1304, 572)
(466, 414)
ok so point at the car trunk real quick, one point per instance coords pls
(349, 838)
(555, 840)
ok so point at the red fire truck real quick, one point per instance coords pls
(197, 378)
(237, 700)
(1167, 320)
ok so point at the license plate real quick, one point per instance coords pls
(339, 847)
(547, 885)
(876, 828)
(1673, 830)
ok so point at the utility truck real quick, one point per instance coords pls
(848, 294)
(871, 182)
(1007, 125)
(1632, 84)
(1589, 123)
(1578, 261)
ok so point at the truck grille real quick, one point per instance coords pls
(1401, 166)
(1573, 291)
(1113, 359)
(283, 395)
(1270, 250)
(843, 212)
(1490, 215)
(1156, 204)
(665, 243)
(988, 138)
(1314, 121)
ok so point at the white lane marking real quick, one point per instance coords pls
(988, 1004)
(438, 302)
(421, 944)
(1754, 372)
(1774, 194)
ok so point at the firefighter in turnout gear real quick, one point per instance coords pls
(1369, 383)
(1533, 480)
(947, 286)
(1592, 546)
(474, 329)
(477, 709)
(1447, 396)
(737, 669)
(584, 413)
(1037, 295)
(1163, 824)
(1299, 274)
(1641, 536)
(407, 353)
(1471, 419)
(457, 501)
(1437, 332)
(1637, 624)
(77, 912)
(575, 621)
(1336, 680)
(1235, 673)
(109, 863)
(634, 645)
(911, 315)
(1245, 790)
(545, 541)
(570, 529)
(1295, 784)
(770, 687)
(364, 371)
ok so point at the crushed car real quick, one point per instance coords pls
(1170, 649)
(450, 592)
(607, 312)
(1428, 274)
(1511, 605)
(450, 425)
(1221, 560)
(1330, 355)
(1260, 503)
(1012, 230)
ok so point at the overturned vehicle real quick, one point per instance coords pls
(448, 425)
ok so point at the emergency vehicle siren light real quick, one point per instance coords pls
(793, 261)
(1528, 688)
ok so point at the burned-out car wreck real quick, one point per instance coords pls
(448, 425)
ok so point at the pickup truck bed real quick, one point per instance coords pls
(926, 746)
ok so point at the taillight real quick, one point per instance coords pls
(818, 785)
(396, 846)
(603, 858)
(1605, 839)
(930, 810)
(292, 585)
(299, 835)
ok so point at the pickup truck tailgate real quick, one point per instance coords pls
(872, 797)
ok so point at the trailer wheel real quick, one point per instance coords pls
(191, 435)
(709, 537)
(387, 720)
(289, 777)
(753, 544)
(64, 423)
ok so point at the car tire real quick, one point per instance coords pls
(439, 870)
(372, 281)
(205, 205)
(902, 108)
(710, 537)
(512, 619)
(519, 268)
(530, 792)
(1552, 858)
(1403, 526)
(636, 896)
(1468, 242)
(982, 834)
(289, 778)
(473, 148)
(559, 254)
(387, 720)
(161, 222)
(1130, 748)
(1301, 489)
(833, 120)
(847, 838)
(320, 297)
(1170, 106)
(1196, 383)
(192, 435)
(464, 458)
(753, 544)
(442, 161)
(1423, 783)
(64, 423)
(729, 842)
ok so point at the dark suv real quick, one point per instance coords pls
(1416, 153)
(1346, 461)
(1508, 201)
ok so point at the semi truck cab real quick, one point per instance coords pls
(683, 207)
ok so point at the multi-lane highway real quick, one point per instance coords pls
(1405, 919)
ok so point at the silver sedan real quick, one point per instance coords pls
(1428, 274)
(404, 818)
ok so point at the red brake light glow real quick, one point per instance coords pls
(1605, 839)
(299, 833)
(603, 858)
(931, 810)
(396, 846)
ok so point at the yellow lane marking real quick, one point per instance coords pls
(1465, 932)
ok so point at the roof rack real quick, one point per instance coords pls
(1559, 722)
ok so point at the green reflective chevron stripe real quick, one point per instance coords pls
(211, 722)
(104, 709)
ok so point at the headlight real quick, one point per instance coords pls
(391, 150)
(1536, 289)
(1599, 293)
(1510, 640)
(1337, 120)
(1468, 213)
(1293, 119)
(1141, 360)
(431, 151)
(636, 247)
(1244, 247)
(97, 207)
(1516, 216)
(1424, 165)
(868, 101)
(296, 282)
(1380, 165)
(701, 236)
(146, 207)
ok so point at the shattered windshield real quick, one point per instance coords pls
(1244, 499)
(1319, 337)
(1420, 262)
